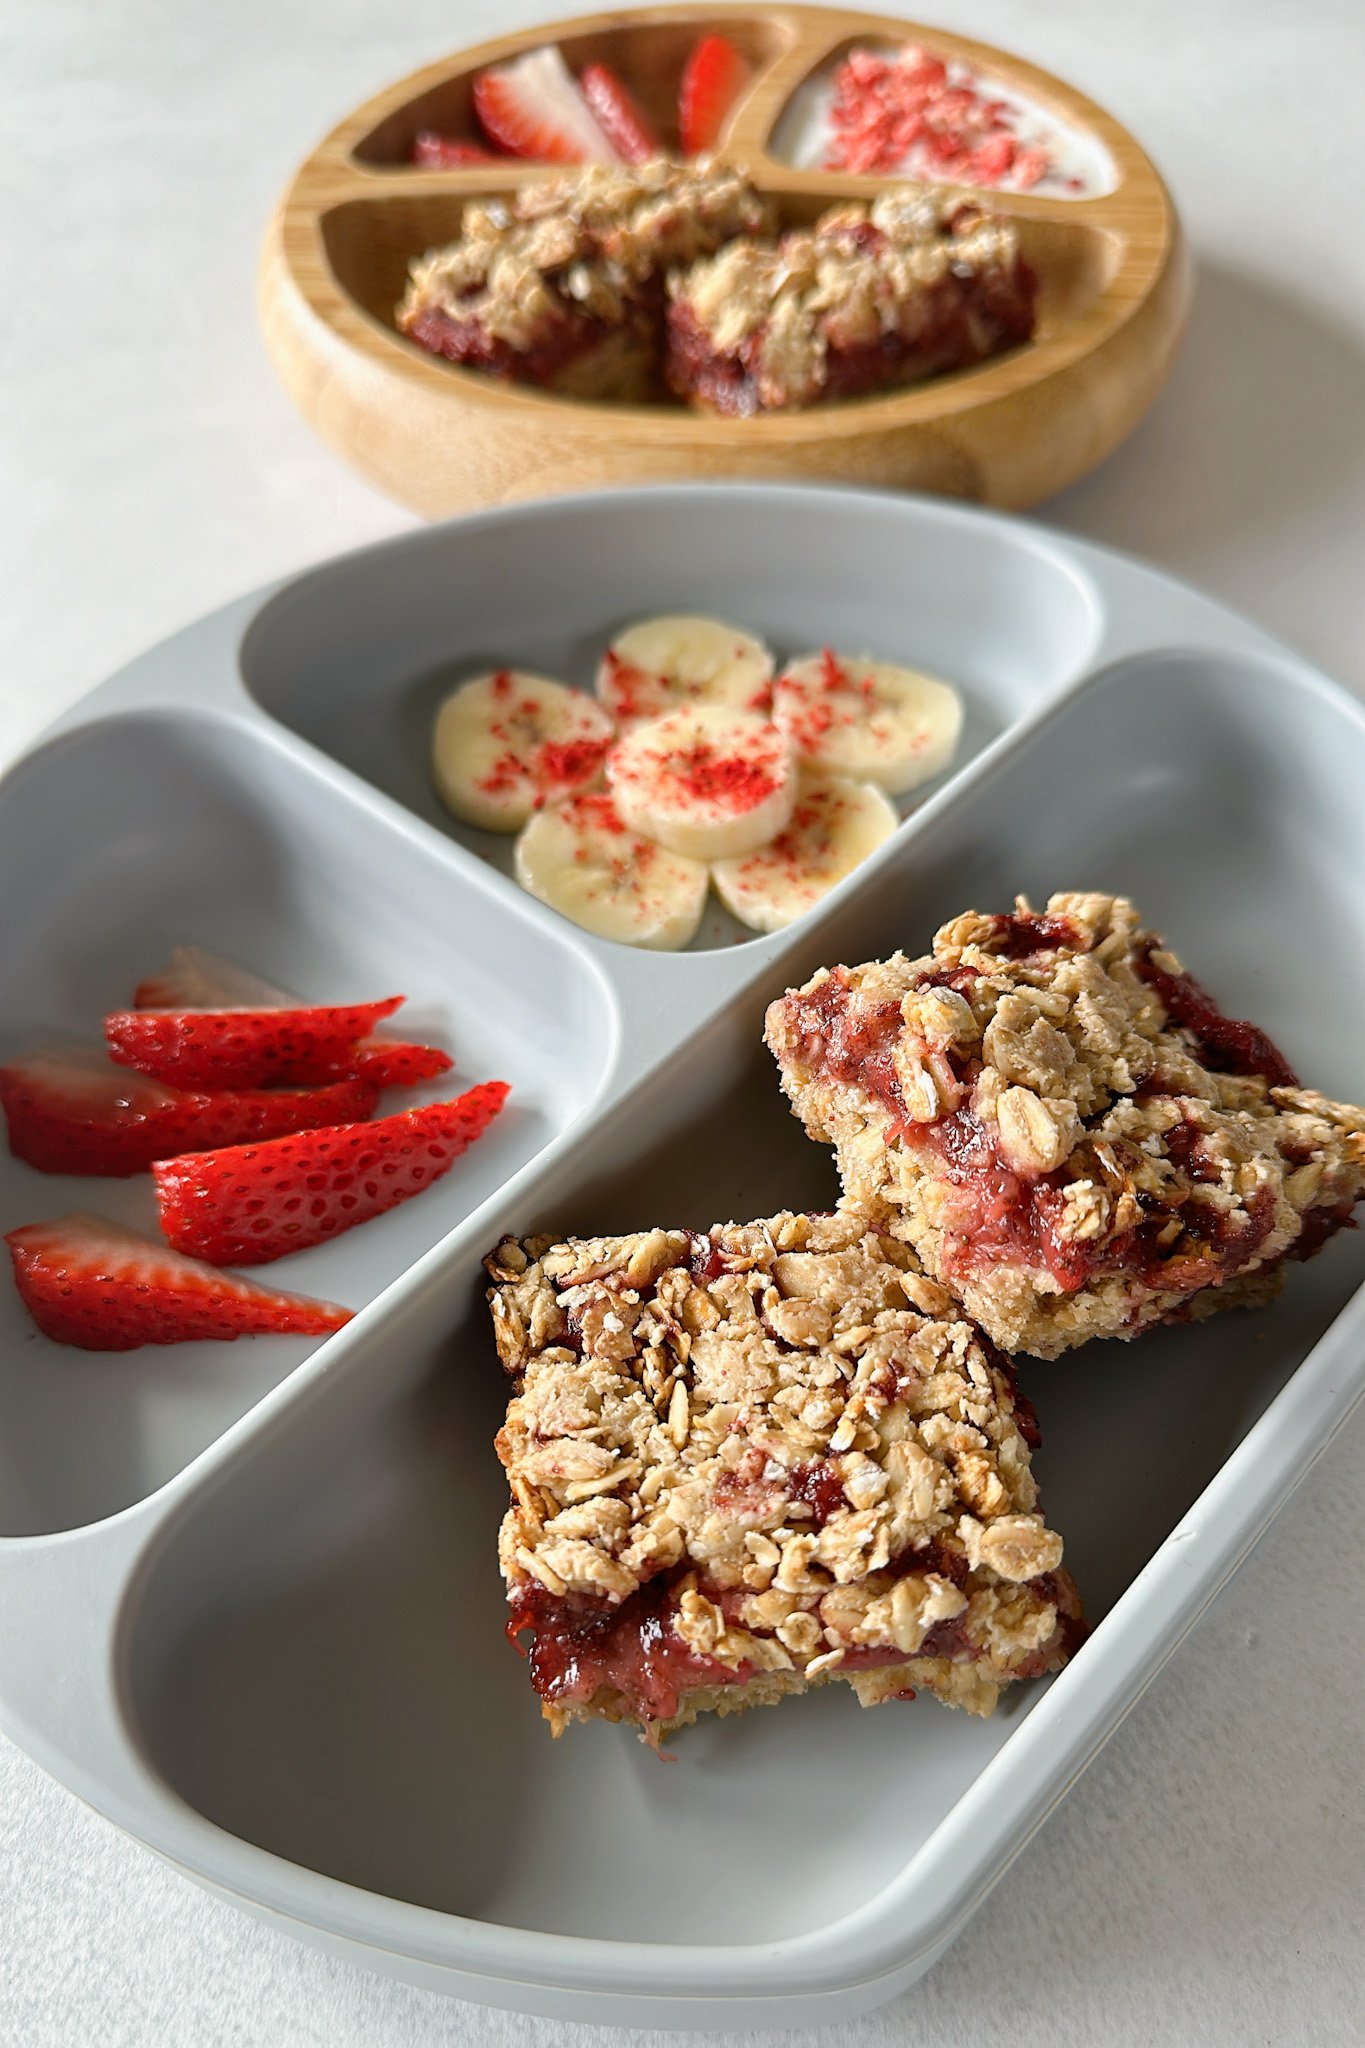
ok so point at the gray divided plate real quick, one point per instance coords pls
(248, 1600)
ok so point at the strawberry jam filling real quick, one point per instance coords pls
(469, 343)
(1004, 1217)
(579, 1647)
(850, 1043)
(564, 338)
(955, 324)
(1019, 934)
(816, 1485)
(1318, 1226)
(1227, 1045)
(707, 1260)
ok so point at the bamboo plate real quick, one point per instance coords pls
(1112, 268)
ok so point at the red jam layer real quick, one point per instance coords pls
(956, 323)
(1007, 1218)
(850, 1042)
(1227, 1045)
(1019, 934)
(1015, 1221)
(469, 343)
(818, 1487)
(1318, 1226)
(580, 1647)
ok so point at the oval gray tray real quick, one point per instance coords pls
(248, 1601)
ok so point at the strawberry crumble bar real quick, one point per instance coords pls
(1064, 1126)
(746, 1463)
(561, 286)
(869, 299)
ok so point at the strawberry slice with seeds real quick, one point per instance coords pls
(713, 78)
(389, 1063)
(532, 108)
(617, 114)
(91, 1283)
(196, 979)
(442, 153)
(251, 1203)
(76, 1112)
(242, 1048)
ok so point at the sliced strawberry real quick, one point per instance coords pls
(251, 1203)
(76, 1112)
(441, 153)
(617, 114)
(196, 979)
(713, 78)
(389, 1063)
(242, 1048)
(532, 108)
(89, 1282)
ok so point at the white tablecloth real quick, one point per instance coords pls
(1204, 1883)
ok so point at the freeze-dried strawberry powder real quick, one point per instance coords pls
(834, 698)
(631, 692)
(564, 764)
(735, 782)
(902, 109)
(546, 768)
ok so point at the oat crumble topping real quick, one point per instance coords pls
(587, 246)
(752, 1461)
(1063, 1125)
(568, 284)
(915, 273)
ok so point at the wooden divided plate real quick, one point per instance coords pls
(1106, 245)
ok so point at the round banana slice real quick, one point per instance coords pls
(581, 858)
(506, 743)
(661, 665)
(835, 825)
(706, 782)
(868, 719)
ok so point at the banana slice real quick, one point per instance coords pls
(868, 719)
(506, 743)
(836, 824)
(661, 665)
(581, 858)
(707, 783)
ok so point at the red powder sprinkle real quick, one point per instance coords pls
(899, 110)
(506, 774)
(816, 698)
(502, 683)
(569, 761)
(634, 692)
(731, 781)
(803, 846)
(598, 810)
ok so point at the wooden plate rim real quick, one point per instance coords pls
(1137, 215)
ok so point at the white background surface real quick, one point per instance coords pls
(1205, 1883)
